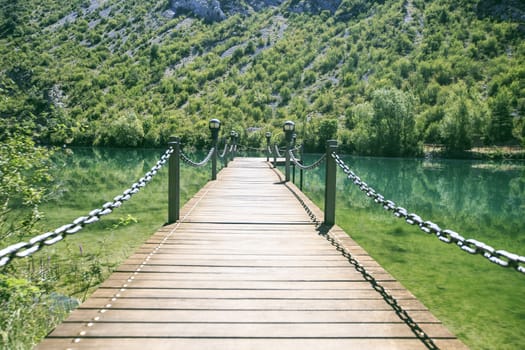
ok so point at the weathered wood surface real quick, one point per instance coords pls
(245, 269)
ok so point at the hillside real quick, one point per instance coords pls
(386, 76)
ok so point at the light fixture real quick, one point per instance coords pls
(288, 126)
(215, 124)
(288, 129)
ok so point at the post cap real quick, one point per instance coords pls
(288, 126)
(215, 124)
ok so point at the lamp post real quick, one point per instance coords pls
(233, 135)
(215, 126)
(294, 139)
(288, 128)
(268, 137)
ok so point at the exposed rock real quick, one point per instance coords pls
(218, 10)
(210, 10)
(315, 6)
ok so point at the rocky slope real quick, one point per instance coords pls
(218, 10)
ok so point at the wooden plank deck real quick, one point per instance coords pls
(245, 268)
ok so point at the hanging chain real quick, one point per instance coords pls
(190, 162)
(277, 153)
(312, 166)
(24, 249)
(225, 150)
(502, 258)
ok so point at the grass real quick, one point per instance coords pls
(481, 303)
(73, 268)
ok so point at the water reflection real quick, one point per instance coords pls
(472, 196)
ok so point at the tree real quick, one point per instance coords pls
(455, 129)
(124, 131)
(519, 129)
(327, 131)
(24, 169)
(394, 123)
(500, 127)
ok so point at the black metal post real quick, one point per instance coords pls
(275, 156)
(287, 162)
(225, 159)
(235, 139)
(288, 129)
(294, 138)
(214, 126)
(268, 137)
(174, 181)
(301, 170)
(330, 184)
(214, 162)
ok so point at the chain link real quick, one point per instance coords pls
(499, 257)
(24, 249)
(190, 162)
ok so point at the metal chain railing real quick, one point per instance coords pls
(205, 161)
(312, 166)
(224, 151)
(277, 153)
(24, 249)
(499, 257)
(389, 299)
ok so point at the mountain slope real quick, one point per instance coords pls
(131, 73)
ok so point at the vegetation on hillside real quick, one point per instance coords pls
(124, 73)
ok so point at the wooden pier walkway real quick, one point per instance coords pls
(245, 268)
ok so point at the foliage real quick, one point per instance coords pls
(27, 311)
(24, 171)
(53, 280)
(89, 75)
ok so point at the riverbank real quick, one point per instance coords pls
(482, 153)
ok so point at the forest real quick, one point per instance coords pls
(383, 77)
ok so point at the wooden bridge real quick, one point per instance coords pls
(246, 268)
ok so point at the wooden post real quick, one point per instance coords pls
(330, 184)
(174, 181)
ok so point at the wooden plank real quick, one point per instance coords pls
(238, 294)
(241, 330)
(113, 282)
(245, 268)
(244, 304)
(230, 344)
(250, 316)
